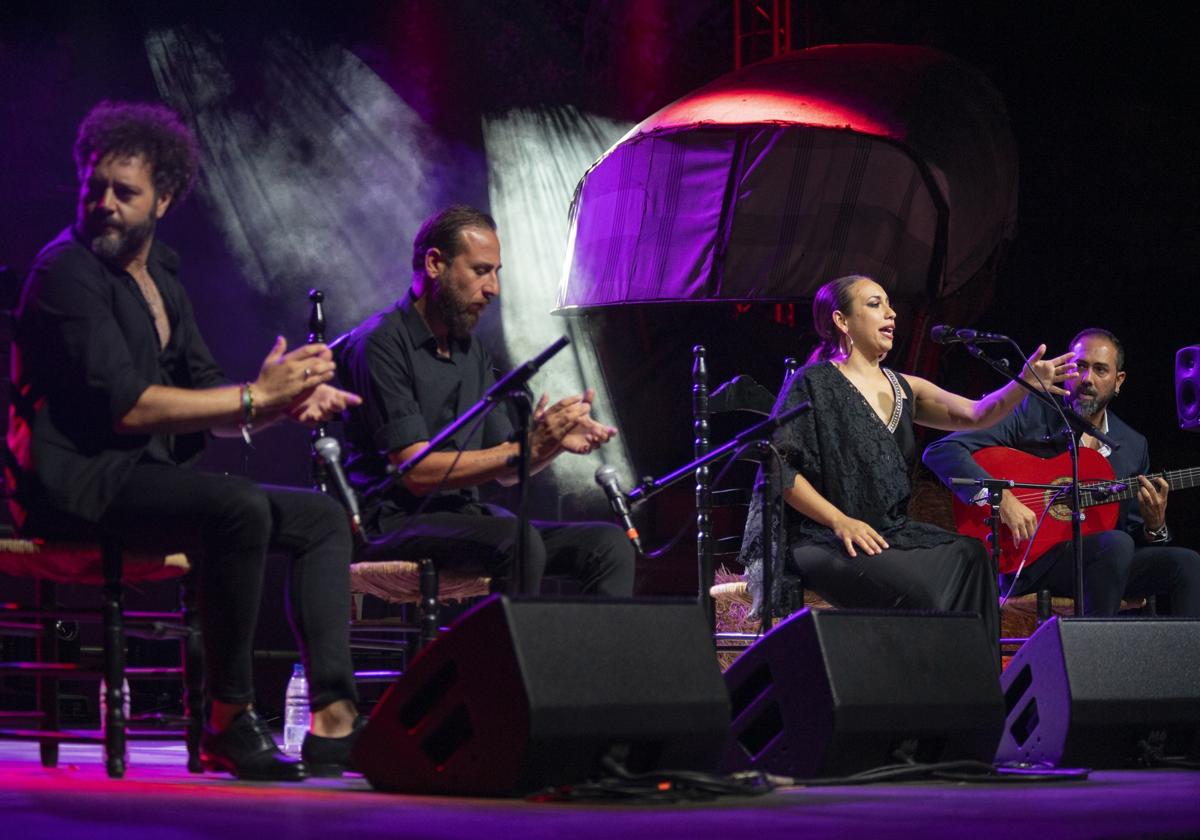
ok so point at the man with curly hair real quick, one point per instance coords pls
(114, 388)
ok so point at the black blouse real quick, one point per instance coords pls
(852, 458)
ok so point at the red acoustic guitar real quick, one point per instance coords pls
(1101, 492)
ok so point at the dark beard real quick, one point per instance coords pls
(1088, 405)
(456, 313)
(117, 250)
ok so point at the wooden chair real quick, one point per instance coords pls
(1022, 615)
(50, 564)
(411, 584)
(727, 600)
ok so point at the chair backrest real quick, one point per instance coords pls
(740, 394)
(10, 291)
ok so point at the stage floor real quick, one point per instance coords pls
(159, 799)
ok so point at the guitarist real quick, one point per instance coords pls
(1134, 560)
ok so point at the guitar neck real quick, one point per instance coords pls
(1176, 480)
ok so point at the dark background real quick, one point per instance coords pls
(1102, 100)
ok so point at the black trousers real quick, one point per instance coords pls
(484, 536)
(227, 525)
(1115, 567)
(953, 577)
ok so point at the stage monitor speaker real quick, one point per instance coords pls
(831, 693)
(1100, 692)
(1187, 387)
(519, 695)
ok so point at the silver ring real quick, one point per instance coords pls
(307, 372)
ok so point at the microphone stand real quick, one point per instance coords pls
(1073, 425)
(510, 387)
(995, 491)
(759, 433)
(316, 335)
(521, 402)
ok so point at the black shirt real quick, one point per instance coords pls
(410, 393)
(84, 349)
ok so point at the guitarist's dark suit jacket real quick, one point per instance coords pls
(1034, 428)
(1117, 565)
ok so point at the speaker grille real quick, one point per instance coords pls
(1187, 387)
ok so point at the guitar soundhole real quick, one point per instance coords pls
(1060, 510)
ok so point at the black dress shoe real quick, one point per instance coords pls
(246, 749)
(330, 756)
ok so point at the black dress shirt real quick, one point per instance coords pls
(410, 393)
(85, 348)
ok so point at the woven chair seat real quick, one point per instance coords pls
(81, 562)
(399, 582)
(1018, 616)
(732, 601)
(737, 592)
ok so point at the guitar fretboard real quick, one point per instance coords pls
(1127, 488)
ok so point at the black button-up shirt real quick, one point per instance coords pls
(84, 349)
(410, 393)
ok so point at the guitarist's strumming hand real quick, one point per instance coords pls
(856, 532)
(1021, 521)
(1152, 502)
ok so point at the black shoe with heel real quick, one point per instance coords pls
(246, 749)
(330, 757)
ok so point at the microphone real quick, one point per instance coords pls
(606, 477)
(943, 334)
(331, 453)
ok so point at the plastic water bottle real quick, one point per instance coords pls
(296, 714)
(104, 714)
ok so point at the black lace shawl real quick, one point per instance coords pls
(851, 458)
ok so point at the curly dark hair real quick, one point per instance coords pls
(443, 231)
(141, 128)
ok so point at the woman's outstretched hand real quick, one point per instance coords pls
(1049, 373)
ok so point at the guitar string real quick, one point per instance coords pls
(1029, 543)
(1190, 474)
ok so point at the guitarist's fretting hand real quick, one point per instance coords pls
(1021, 521)
(1152, 502)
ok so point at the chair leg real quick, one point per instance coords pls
(114, 661)
(191, 654)
(1043, 606)
(429, 604)
(47, 650)
(793, 595)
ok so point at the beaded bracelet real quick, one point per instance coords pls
(247, 398)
